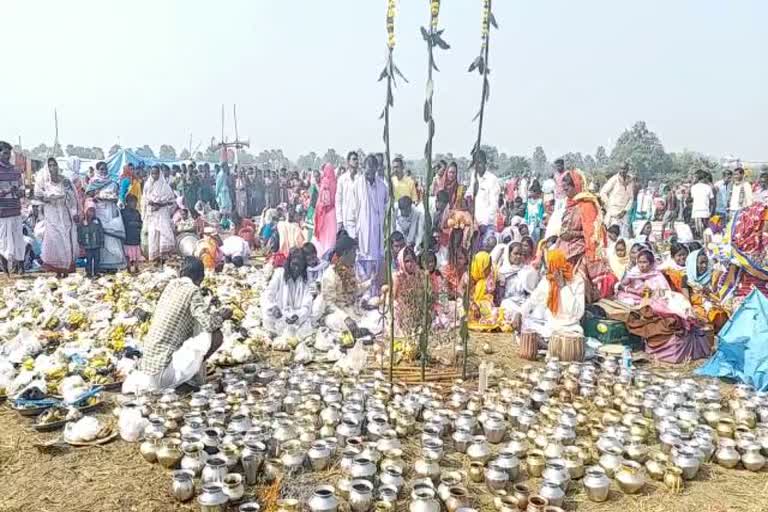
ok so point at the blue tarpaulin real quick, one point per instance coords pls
(116, 162)
(742, 350)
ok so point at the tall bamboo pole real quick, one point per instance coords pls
(481, 64)
(389, 73)
(433, 38)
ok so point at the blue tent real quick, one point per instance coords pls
(123, 157)
(742, 350)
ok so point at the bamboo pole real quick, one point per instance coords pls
(433, 38)
(389, 73)
(480, 63)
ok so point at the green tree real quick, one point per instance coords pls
(145, 152)
(491, 153)
(643, 151)
(245, 158)
(185, 154)
(308, 161)
(114, 149)
(686, 163)
(517, 166)
(332, 157)
(40, 152)
(601, 157)
(589, 163)
(539, 163)
(98, 153)
(573, 160)
(167, 152)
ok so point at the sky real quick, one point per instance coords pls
(566, 75)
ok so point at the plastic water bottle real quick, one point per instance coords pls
(626, 360)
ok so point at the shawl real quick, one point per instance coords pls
(98, 182)
(157, 191)
(591, 216)
(482, 274)
(556, 261)
(618, 264)
(326, 197)
(691, 270)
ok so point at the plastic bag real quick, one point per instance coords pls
(324, 340)
(84, 430)
(303, 354)
(131, 423)
(354, 361)
(72, 387)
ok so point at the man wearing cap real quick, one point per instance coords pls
(617, 198)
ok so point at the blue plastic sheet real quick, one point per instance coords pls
(742, 351)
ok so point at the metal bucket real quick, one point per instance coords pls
(186, 244)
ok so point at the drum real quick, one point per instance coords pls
(529, 345)
(566, 347)
(186, 243)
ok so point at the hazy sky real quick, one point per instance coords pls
(568, 75)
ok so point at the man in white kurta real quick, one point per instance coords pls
(286, 304)
(617, 196)
(537, 317)
(347, 205)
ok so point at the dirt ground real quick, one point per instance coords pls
(114, 477)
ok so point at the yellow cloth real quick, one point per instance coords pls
(404, 187)
(481, 266)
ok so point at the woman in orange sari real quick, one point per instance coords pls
(582, 237)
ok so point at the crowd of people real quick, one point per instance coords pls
(536, 254)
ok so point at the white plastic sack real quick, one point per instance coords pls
(84, 430)
(303, 354)
(354, 361)
(71, 387)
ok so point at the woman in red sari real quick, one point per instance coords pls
(582, 237)
(325, 212)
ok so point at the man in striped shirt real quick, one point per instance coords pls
(12, 243)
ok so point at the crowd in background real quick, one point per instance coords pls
(537, 253)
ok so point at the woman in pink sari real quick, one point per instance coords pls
(325, 212)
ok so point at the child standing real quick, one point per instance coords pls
(132, 223)
(534, 211)
(90, 236)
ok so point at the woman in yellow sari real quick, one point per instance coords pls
(483, 314)
(707, 307)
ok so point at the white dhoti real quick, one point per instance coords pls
(187, 364)
(12, 245)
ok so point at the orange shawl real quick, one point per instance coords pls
(556, 261)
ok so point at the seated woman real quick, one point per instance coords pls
(661, 316)
(483, 314)
(516, 280)
(286, 304)
(699, 280)
(455, 273)
(674, 268)
(556, 306)
(644, 232)
(208, 249)
(408, 294)
(618, 258)
(444, 310)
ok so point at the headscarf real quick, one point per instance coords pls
(99, 181)
(507, 269)
(591, 216)
(157, 191)
(481, 270)
(556, 261)
(691, 270)
(716, 224)
(618, 264)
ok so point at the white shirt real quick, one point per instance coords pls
(701, 193)
(741, 196)
(234, 246)
(412, 227)
(616, 195)
(487, 200)
(346, 203)
(569, 312)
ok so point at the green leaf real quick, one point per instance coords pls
(427, 112)
(475, 64)
(382, 113)
(424, 34)
(383, 74)
(430, 88)
(492, 19)
(442, 44)
(434, 66)
(481, 66)
(476, 116)
(398, 73)
(487, 90)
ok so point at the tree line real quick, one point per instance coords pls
(638, 146)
